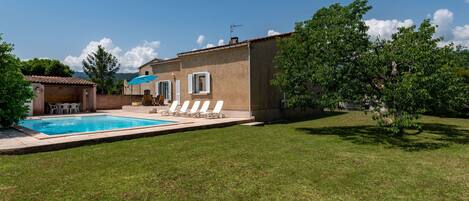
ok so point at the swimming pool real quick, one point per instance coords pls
(68, 125)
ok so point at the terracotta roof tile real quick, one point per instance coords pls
(57, 80)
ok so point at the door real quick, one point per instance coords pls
(163, 88)
(178, 90)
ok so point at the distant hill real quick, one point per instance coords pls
(119, 76)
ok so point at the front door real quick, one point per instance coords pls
(178, 90)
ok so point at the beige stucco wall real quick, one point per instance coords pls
(264, 96)
(229, 73)
(38, 100)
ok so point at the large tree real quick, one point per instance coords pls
(330, 59)
(407, 76)
(101, 67)
(15, 91)
(49, 67)
(311, 62)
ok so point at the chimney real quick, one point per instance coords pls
(233, 40)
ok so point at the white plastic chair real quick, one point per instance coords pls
(74, 108)
(203, 110)
(183, 108)
(216, 112)
(65, 108)
(53, 109)
(171, 110)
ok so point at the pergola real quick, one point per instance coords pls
(49, 90)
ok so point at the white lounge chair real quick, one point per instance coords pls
(183, 109)
(171, 110)
(194, 109)
(216, 112)
(203, 110)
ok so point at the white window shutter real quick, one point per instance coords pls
(189, 83)
(157, 88)
(207, 82)
(169, 91)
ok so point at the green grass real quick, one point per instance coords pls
(339, 156)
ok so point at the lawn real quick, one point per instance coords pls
(338, 156)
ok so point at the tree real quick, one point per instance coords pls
(330, 59)
(48, 67)
(15, 91)
(101, 67)
(407, 76)
(117, 87)
(312, 61)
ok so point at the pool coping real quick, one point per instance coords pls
(42, 136)
(26, 144)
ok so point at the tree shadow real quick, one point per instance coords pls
(311, 117)
(432, 136)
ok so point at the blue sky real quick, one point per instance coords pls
(138, 30)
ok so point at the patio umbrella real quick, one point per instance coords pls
(140, 80)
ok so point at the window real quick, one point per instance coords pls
(198, 83)
(164, 88)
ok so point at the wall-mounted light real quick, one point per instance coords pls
(37, 89)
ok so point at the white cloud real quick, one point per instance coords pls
(385, 28)
(129, 60)
(200, 40)
(272, 33)
(460, 36)
(443, 18)
(209, 45)
(461, 33)
(137, 56)
(222, 42)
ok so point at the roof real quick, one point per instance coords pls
(58, 80)
(221, 47)
(165, 61)
(151, 61)
(242, 43)
(239, 44)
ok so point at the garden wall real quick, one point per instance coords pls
(108, 102)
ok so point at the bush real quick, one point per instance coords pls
(15, 91)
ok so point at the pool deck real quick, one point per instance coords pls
(14, 141)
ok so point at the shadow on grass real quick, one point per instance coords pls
(316, 116)
(433, 136)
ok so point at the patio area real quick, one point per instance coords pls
(14, 141)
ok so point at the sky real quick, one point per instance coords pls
(136, 31)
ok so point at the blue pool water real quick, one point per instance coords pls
(67, 125)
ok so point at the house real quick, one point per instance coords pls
(48, 90)
(238, 73)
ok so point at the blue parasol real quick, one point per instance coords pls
(142, 79)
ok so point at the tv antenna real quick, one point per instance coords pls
(232, 28)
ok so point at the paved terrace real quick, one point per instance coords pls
(13, 141)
